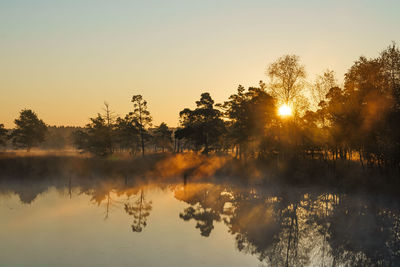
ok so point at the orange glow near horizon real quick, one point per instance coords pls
(63, 59)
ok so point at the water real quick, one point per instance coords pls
(71, 221)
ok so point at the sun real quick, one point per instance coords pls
(284, 110)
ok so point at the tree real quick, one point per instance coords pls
(390, 59)
(287, 78)
(96, 138)
(323, 83)
(127, 133)
(80, 140)
(142, 115)
(109, 119)
(108, 116)
(3, 134)
(203, 125)
(29, 131)
(369, 102)
(249, 114)
(162, 136)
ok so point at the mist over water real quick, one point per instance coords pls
(83, 211)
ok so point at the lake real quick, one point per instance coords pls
(97, 220)
(118, 222)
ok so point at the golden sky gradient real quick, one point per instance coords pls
(63, 60)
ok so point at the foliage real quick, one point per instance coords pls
(249, 114)
(287, 78)
(127, 133)
(323, 83)
(96, 138)
(29, 131)
(203, 125)
(162, 137)
(3, 134)
(142, 116)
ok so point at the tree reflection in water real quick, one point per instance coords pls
(136, 204)
(207, 203)
(300, 227)
(281, 225)
(140, 210)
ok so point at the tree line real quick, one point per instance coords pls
(355, 121)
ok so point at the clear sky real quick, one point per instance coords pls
(63, 59)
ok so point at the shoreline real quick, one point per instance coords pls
(298, 172)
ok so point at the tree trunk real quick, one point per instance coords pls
(141, 137)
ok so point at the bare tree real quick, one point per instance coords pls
(287, 78)
(109, 118)
(323, 83)
(109, 115)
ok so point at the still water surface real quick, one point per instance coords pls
(121, 222)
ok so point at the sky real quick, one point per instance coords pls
(63, 59)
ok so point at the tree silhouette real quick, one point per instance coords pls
(127, 133)
(30, 131)
(203, 125)
(3, 135)
(95, 138)
(108, 116)
(390, 60)
(162, 137)
(249, 115)
(358, 121)
(142, 116)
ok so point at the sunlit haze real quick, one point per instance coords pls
(63, 59)
(199, 133)
(284, 110)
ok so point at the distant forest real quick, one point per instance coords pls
(286, 117)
